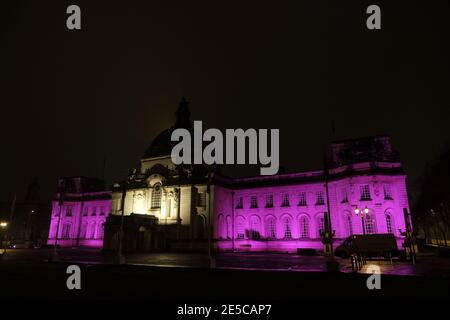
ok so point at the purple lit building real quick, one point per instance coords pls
(286, 211)
(79, 208)
(173, 208)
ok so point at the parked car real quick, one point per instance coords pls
(369, 245)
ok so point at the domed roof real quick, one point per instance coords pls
(162, 144)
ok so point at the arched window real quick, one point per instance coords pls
(240, 228)
(389, 226)
(304, 227)
(222, 227)
(320, 226)
(271, 228)
(349, 222)
(370, 224)
(100, 230)
(66, 231)
(287, 229)
(83, 230)
(255, 226)
(156, 196)
(229, 228)
(92, 231)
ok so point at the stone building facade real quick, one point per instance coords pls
(79, 212)
(286, 211)
(162, 206)
(178, 208)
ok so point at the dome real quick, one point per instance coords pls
(162, 144)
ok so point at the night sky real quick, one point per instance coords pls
(70, 99)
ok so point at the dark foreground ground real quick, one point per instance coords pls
(156, 286)
(28, 275)
(48, 280)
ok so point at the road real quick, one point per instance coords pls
(426, 266)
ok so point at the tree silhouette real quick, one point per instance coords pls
(432, 206)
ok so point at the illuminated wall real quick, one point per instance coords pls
(264, 213)
(81, 222)
(290, 216)
(275, 213)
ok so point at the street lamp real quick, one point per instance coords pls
(362, 212)
(3, 225)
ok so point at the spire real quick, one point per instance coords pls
(33, 191)
(183, 115)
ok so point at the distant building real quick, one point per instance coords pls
(175, 208)
(79, 211)
(28, 219)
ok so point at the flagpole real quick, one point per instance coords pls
(55, 243)
(328, 227)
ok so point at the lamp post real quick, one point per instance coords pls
(362, 213)
(409, 243)
(3, 226)
(120, 258)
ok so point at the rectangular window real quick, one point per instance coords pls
(156, 197)
(319, 198)
(68, 211)
(94, 211)
(240, 203)
(66, 231)
(285, 201)
(102, 211)
(370, 224)
(253, 202)
(387, 192)
(269, 201)
(365, 192)
(201, 199)
(85, 211)
(302, 199)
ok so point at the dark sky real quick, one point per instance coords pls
(71, 98)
